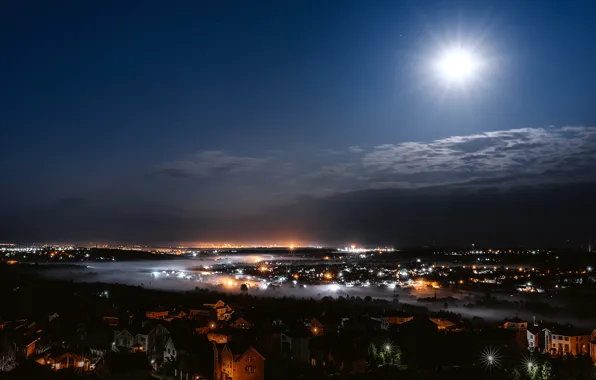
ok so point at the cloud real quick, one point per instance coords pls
(499, 160)
(209, 163)
(492, 161)
(509, 157)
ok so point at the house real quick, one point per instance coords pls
(123, 366)
(191, 356)
(533, 337)
(177, 346)
(57, 360)
(27, 337)
(344, 354)
(218, 337)
(318, 326)
(150, 338)
(204, 312)
(567, 341)
(443, 324)
(514, 324)
(203, 330)
(157, 314)
(123, 338)
(237, 362)
(241, 323)
(111, 321)
(179, 315)
(25, 345)
(222, 310)
(394, 318)
(295, 346)
(593, 346)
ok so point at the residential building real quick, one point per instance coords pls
(394, 318)
(191, 355)
(238, 362)
(157, 314)
(150, 338)
(321, 325)
(339, 354)
(593, 346)
(533, 336)
(218, 337)
(204, 312)
(515, 324)
(241, 323)
(111, 321)
(443, 324)
(223, 311)
(26, 338)
(58, 360)
(295, 346)
(567, 341)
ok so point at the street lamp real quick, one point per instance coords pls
(490, 358)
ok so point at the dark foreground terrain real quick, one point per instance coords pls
(343, 338)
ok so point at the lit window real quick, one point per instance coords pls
(250, 369)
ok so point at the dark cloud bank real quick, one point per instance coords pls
(522, 187)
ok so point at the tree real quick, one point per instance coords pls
(244, 288)
(373, 355)
(545, 371)
(386, 353)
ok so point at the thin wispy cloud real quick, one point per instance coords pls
(209, 163)
(497, 159)
(518, 155)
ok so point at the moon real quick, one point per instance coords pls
(457, 66)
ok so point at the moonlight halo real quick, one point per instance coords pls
(457, 65)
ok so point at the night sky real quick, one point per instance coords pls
(321, 122)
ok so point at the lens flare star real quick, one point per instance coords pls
(530, 365)
(490, 358)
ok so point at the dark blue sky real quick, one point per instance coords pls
(185, 119)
